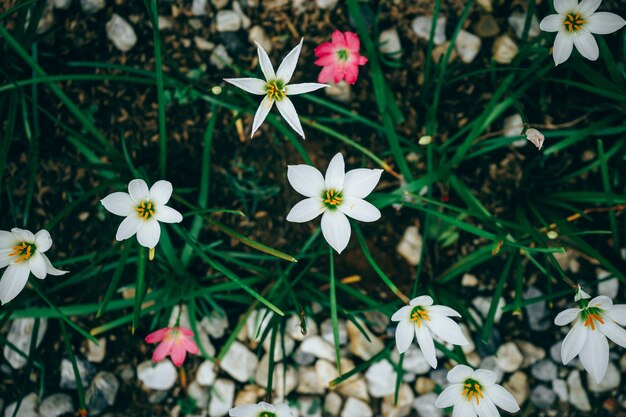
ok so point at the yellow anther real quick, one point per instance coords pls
(472, 390)
(333, 197)
(590, 320)
(418, 314)
(23, 250)
(574, 22)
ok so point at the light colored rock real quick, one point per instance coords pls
(202, 44)
(544, 370)
(283, 346)
(56, 405)
(483, 304)
(259, 319)
(421, 25)
(222, 395)
(611, 380)
(469, 280)
(318, 347)
(487, 26)
(509, 358)
(471, 346)
(355, 387)
(610, 287)
(439, 52)
(258, 34)
(219, 4)
(389, 42)
(560, 388)
(414, 361)
(326, 372)
(199, 394)
(333, 403)
(355, 408)
(179, 317)
(249, 395)
(504, 49)
(513, 126)
(161, 376)
(532, 354)
(518, 387)
(199, 7)
(239, 362)
(47, 19)
(473, 359)
(467, 45)
(215, 324)
(577, 394)
(381, 379)
(424, 385)
(228, 21)
(536, 313)
(341, 92)
(308, 382)
(68, 379)
(326, 330)
(295, 331)
(425, 406)
(62, 4)
(410, 246)
(102, 392)
(517, 21)
(92, 6)
(359, 345)
(542, 397)
(486, 5)
(245, 20)
(165, 23)
(28, 407)
(121, 33)
(206, 374)
(568, 261)
(326, 4)
(96, 352)
(403, 407)
(20, 335)
(310, 407)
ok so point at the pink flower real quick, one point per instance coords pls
(173, 341)
(340, 58)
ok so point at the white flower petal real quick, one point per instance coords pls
(485, 377)
(247, 410)
(7, 239)
(5, 259)
(13, 281)
(595, 355)
(603, 23)
(359, 209)
(450, 396)
(586, 44)
(306, 210)
(288, 66)
(588, 7)
(23, 235)
(265, 63)
(425, 341)
(289, 113)
(618, 314)
(463, 409)
(613, 332)
(335, 173)
(443, 310)
(422, 300)
(294, 89)
(573, 342)
(120, 204)
(336, 229)
(149, 234)
(167, 214)
(502, 398)
(138, 190)
(486, 408)
(404, 335)
(459, 374)
(306, 180)
(51, 270)
(402, 314)
(446, 329)
(251, 85)
(565, 6)
(37, 265)
(361, 182)
(261, 113)
(129, 227)
(602, 301)
(43, 241)
(283, 410)
(551, 23)
(160, 192)
(566, 316)
(563, 45)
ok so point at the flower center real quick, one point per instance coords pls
(574, 22)
(23, 251)
(342, 54)
(472, 389)
(332, 198)
(145, 210)
(275, 90)
(590, 316)
(267, 414)
(418, 314)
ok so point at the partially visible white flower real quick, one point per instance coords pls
(339, 194)
(581, 295)
(597, 320)
(23, 253)
(143, 209)
(575, 24)
(535, 137)
(475, 393)
(422, 319)
(276, 88)
(261, 410)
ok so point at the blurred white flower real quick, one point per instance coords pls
(475, 393)
(595, 321)
(143, 209)
(423, 319)
(535, 137)
(339, 194)
(276, 88)
(575, 22)
(581, 295)
(23, 253)
(261, 410)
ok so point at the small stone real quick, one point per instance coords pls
(318, 347)
(165, 23)
(513, 126)
(326, 372)
(219, 4)
(473, 359)
(610, 287)
(381, 379)
(490, 346)
(424, 385)
(415, 362)
(203, 45)
(161, 376)
(469, 280)
(568, 261)
(96, 352)
(532, 354)
(20, 336)
(296, 331)
(258, 34)
(47, 19)
(403, 406)
(245, 20)
(215, 324)
(518, 387)
(249, 395)
(332, 403)
(195, 23)
(222, 396)
(56, 405)
(199, 7)
(308, 382)
(504, 50)
(228, 21)
(422, 25)
(611, 380)
(486, 5)
(355, 408)
(199, 393)
(536, 313)
(542, 397)
(359, 345)
(483, 304)
(239, 362)
(544, 370)
(121, 33)
(92, 6)
(85, 370)
(341, 92)
(259, 319)
(425, 406)
(490, 363)
(509, 358)
(326, 330)
(283, 347)
(560, 389)
(389, 42)
(206, 374)
(470, 346)
(410, 247)
(28, 407)
(577, 394)
(355, 387)
(284, 381)
(440, 52)
(62, 4)
(303, 358)
(487, 26)
(101, 393)
(467, 45)
(326, 4)
(555, 352)
(518, 20)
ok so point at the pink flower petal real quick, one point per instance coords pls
(326, 48)
(157, 336)
(338, 39)
(185, 331)
(352, 41)
(327, 60)
(190, 345)
(178, 354)
(326, 75)
(162, 351)
(352, 73)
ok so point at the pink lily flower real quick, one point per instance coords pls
(340, 58)
(174, 342)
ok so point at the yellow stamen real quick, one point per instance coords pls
(418, 314)
(275, 90)
(333, 197)
(590, 320)
(23, 250)
(574, 22)
(151, 253)
(472, 390)
(145, 210)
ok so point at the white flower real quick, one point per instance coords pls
(595, 322)
(339, 194)
(581, 295)
(276, 88)
(575, 24)
(475, 393)
(143, 209)
(535, 137)
(421, 318)
(261, 410)
(23, 253)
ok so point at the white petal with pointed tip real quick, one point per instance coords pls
(586, 44)
(5, 259)
(306, 180)
(588, 7)
(288, 66)
(43, 241)
(335, 173)
(404, 335)
(289, 113)
(444, 311)
(149, 234)
(573, 342)
(361, 182)
(51, 270)
(359, 209)
(486, 408)
(603, 23)
(265, 63)
(295, 89)
(37, 265)
(261, 113)
(306, 210)
(601, 301)
(7, 239)
(167, 214)
(563, 46)
(450, 396)
(613, 332)
(446, 329)
(618, 314)
(426, 344)
(422, 300)
(485, 377)
(402, 314)
(160, 192)
(459, 374)
(251, 85)
(120, 204)
(336, 229)
(463, 409)
(567, 316)
(595, 355)
(565, 6)
(551, 23)
(502, 398)
(129, 227)
(13, 281)
(138, 190)
(23, 235)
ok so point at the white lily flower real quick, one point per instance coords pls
(475, 393)
(261, 409)
(23, 253)
(581, 295)
(339, 194)
(276, 88)
(574, 23)
(595, 322)
(423, 319)
(143, 209)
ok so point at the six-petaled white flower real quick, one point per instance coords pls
(261, 410)
(422, 319)
(143, 209)
(574, 23)
(475, 393)
(595, 321)
(23, 253)
(339, 194)
(276, 88)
